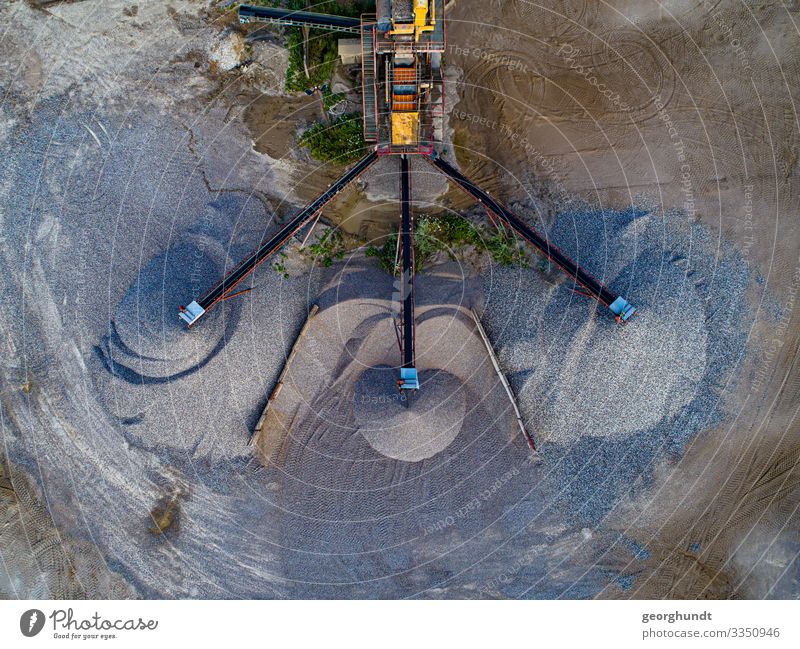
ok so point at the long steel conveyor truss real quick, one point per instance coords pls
(408, 370)
(619, 306)
(408, 380)
(290, 18)
(196, 309)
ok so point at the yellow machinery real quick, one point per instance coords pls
(405, 105)
(405, 128)
(422, 23)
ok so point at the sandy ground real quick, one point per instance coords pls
(655, 142)
(691, 106)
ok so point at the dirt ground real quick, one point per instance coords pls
(657, 135)
(694, 105)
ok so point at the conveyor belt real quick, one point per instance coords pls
(197, 308)
(409, 379)
(407, 281)
(618, 305)
(276, 15)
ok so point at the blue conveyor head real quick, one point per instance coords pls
(408, 379)
(622, 309)
(191, 313)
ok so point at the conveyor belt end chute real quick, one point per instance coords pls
(190, 314)
(408, 379)
(622, 309)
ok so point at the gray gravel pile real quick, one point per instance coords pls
(127, 184)
(427, 184)
(112, 430)
(606, 400)
(408, 427)
(146, 338)
(375, 498)
(126, 408)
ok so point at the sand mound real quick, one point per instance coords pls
(413, 428)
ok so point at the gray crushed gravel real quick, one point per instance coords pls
(605, 401)
(411, 427)
(110, 186)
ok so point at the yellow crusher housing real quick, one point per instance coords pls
(402, 79)
(424, 17)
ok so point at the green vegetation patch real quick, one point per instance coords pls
(330, 246)
(341, 142)
(449, 234)
(330, 99)
(322, 54)
(322, 44)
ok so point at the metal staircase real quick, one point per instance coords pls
(368, 82)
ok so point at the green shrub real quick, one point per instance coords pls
(449, 234)
(330, 99)
(341, 142)
(322, 56)
(385, 254)
(279, 267)
(330, 246)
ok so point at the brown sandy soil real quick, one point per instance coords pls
(275, 122)
(734, 116)
(43, 568)
(723, 522)
(723, 76)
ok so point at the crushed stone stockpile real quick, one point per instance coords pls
(608, 400)
(409, 428)
(161, 417)
(374, 488)
(131, 179)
